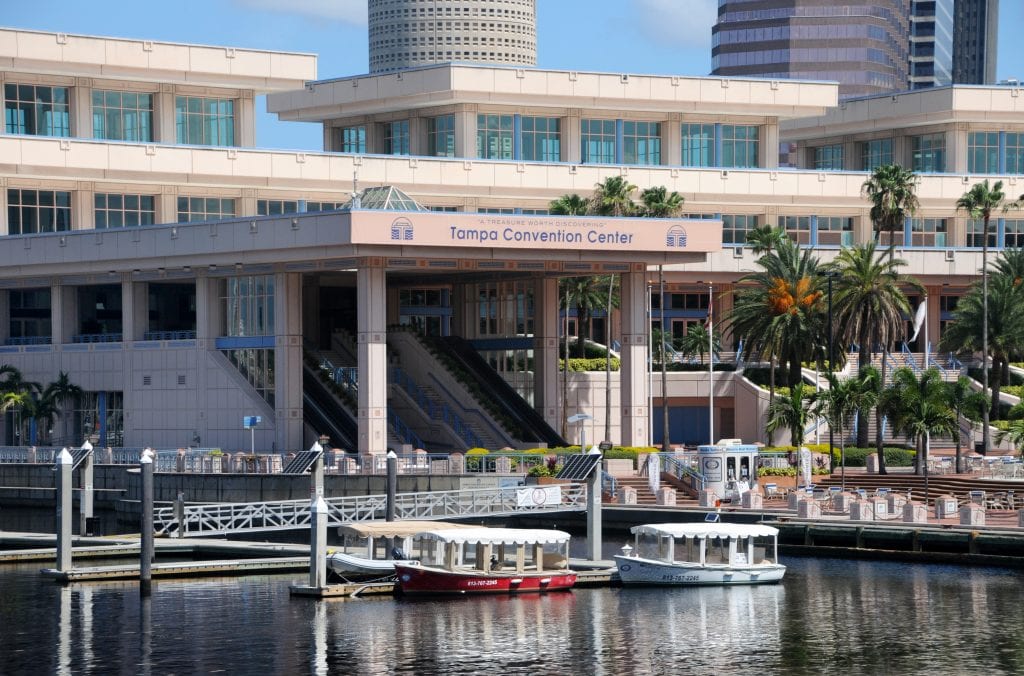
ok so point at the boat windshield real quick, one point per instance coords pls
(495, 557)
(713, 550)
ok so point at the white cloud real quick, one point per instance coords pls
(346, 11)
(680, 23)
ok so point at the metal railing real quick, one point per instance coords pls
(609, 485)
(684, 468)
(435, 410)
(223, 518)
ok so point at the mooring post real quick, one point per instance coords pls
(316, 472)
(63, 521)
(318, 543)
(594, 511)
(179, 514)
(85, 503)
(146, 520)
(389, 510)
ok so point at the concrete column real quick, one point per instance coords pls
(209, 313)
(633, 376)
(768, 146)
(288, 359)
(465, 134)
(81, 109)
(4, 225)
(245, 120)
(417, 136)
(245, 205)
(134, 314)
(545, 349)
(166, 208)
(901, 150)
(393, 313)
(851, 158)
(63, 312)
(863, 231)
(164, 125)
(672, 141)
(372, 355)
(83, 210)
(5, 316)
(956, 150)
(571, 137)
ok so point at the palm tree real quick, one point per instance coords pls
(697, 341)
(1010, 263)
(613, 197)
(659, 203)
(585, 294)
(790, 412)
(63, 393)
(835, 405)
(920, 409)
(892, 191)
(765, 238)
(18, 394)
(569, 205)
(979, 202)
(869, 305)
(967, 403)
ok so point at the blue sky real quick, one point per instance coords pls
(634, 36)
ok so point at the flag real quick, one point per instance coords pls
(919, 317)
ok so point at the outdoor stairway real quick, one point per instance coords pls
(958, 485)
(644, 496)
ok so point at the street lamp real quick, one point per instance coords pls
(831, 274)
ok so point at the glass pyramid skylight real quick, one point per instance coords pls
(386, 198)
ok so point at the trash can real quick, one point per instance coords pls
(979, 447)
(92, 526)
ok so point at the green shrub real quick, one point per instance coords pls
(579, 365)
(539, 470)
(858, 457)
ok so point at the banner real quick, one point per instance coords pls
(538, 496)
(654, 472)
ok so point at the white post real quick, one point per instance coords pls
(146, 531)
(594, 512)
(318, 543)
(711, 369)
(63, 510)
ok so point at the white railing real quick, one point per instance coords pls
(245, 517)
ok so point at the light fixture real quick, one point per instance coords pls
(187, 268)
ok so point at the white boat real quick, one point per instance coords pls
(369, 548)
(701, 554)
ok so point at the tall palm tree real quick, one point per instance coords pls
(585, 295)
(920, 409)
(17, 394)
(765, 238)
(979, 202)
(869, 305)
(835, 405)
(697, 341)
(570, 205)
(790, 412)
(613, 197)
(1010, 263)
(893, 194)
(63, 393)
(658, 202)
(967, 403)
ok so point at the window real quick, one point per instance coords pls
(736, 226)
(350, 139)
(249, 305)
(494, 137)
(396, 138)
(34, 211)
(37, 110)
(829, 158)
(928, 232)
(797, 227)
(739, 146)
(698, 145)
(1014, 153)
(441, 136)
(118, 211)
(928, 153)
(122, 116)
(597, 141)
(323, 206)
(983, 152)
(205, 122)
(30, 316)
(641, 143)
(542, 139)
(975, 228)
(1014, 233)
(687, 301)
(199, 209)
(876, 153)
(835, 231)
(257, 366)
(276, 207)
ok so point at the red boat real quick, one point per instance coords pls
(488, 561)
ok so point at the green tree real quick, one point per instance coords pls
(697, 341)
(585, 295)
(966, 402)
(613, 197)
(658, 202)
(790, 412)
(869, 305)
(64, 394)
(979, 202)
(842, 398)
(919, 408)
(18, 394)
(893, 194)
(765, 238)
(569, 205)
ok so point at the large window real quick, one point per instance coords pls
(205, 122)
(350, 139)
(494, 137)
(736, 226)
(30, 316)
(34, 211)
(797, 227)
(983, 152)
(37, 110)
(928, 153)
(876, 153)
(975, 228)
(122, 116)
(641, 142)
(928, 232)
(1014, 233)
(199, 209)
(249, 305)
(698, 145)
(118, 211)
(323, 206)
(441, 136)
(396, 137)
(276, 207)
(829, 158)
(597, 141)
(542, 139)
(739, 146)
(257, 366)
(835, 230)
(1015, 153)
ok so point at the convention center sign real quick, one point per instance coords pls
(551, 233)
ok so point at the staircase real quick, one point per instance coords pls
(644, 496)
(958, 485)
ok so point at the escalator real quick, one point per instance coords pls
(321, 411)
(501, 396)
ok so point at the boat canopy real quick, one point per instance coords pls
(705, 530)
(496, 536)
(395, 529)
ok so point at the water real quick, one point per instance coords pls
(828, 615)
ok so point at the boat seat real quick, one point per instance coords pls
(553, 561)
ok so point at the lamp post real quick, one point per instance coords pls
(831, 274)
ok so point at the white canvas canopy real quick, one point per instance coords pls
(395, 529)
(705, 530)
(496, 536)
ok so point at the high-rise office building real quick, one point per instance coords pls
(412, 33)
(931, 43)
(974, 41)
(864, 47)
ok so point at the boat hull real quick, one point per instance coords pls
(424, 580)
(637, 571)
(347, 564)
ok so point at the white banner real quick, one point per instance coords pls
(805, 465)
(538, 496)
(653, 472)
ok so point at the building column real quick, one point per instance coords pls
(571, 137)
(768, 150)
(83, 207)
(672, 140)
(63, 312)
(4, 225)
(863, 230)
(417, 136)
(245, 120)
(956, 149)
(5, 316)
(371, 344)
(901, 150)
(209, 319)
(134, 314)
(633, 378)
(545, 350)
(465, 133)
(288, 360)
(81, 108)
(851, 160)
(165, 129)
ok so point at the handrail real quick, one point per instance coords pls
(674, 465)
(403, 431)
(436, 411)
(609, 481)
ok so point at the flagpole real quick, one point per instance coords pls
(711, 370)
